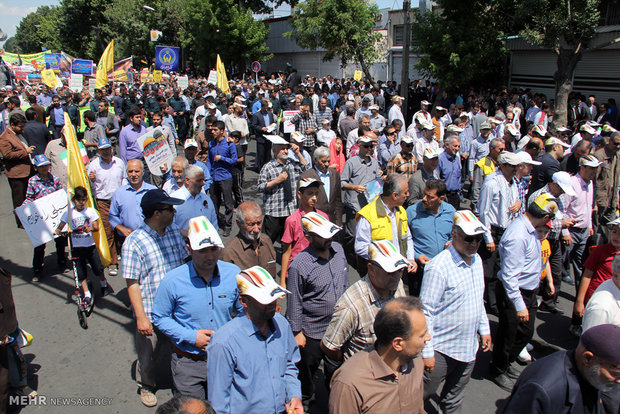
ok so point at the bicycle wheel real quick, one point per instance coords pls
(82, 315)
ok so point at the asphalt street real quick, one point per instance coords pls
(78, 371)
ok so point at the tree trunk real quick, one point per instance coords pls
(566, 63)
(365, 68)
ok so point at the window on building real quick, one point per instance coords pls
(398, 38)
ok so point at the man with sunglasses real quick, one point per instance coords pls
(497, 206)
(521, 259)
(452, 293)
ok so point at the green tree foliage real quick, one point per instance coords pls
(344, 28)
(38, 29)
(11, 45)
(568, 28)
(462, 44)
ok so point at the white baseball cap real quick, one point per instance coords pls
(276, 139)
(512, 129)
(509, 158)
(202, 234)
(431, 153)
(190, 143)
(587, 128)
(365, 138)
(387, 256)
(468, 223)
(527, 158)
(562, 178)
(315, 223)
(425, 102)
(297, 136)
(589, 161)
(615, 222)
(540, 130)
(554, 141)
(258, 283)
(454, 128)
(407, 139)
(428, 125)
(307, 182)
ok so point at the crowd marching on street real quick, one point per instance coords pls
(450, 205)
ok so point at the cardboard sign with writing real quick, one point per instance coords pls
(157, 75)
(212, 79)
(41, 217)
(156, 150)
(183, 82)
(76, 82)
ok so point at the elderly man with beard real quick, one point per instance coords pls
(250, 247)
(570, 381)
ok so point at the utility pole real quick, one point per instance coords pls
(404, 75)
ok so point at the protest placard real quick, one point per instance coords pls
(157, 75)
(76, 82)
(41, 217)
(358, 75)
(82, 67)
(156, 150)
(212, 79)
(91, 86)
(288, 126)
(183, 82)
(49, 78)
(144, 76)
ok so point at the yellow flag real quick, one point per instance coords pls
(222, 80)
(76, 177)
(49, 78)
(106, 64)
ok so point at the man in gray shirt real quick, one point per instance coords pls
(358, 171)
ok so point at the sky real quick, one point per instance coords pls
(12, 11)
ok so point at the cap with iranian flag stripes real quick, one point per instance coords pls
(202, 234)
(315, 223)
(468, 223)
(384, 254)
(258, 283)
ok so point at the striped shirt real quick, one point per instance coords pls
(351, 328)
(38, 188)
(147, 257)
(452, 293)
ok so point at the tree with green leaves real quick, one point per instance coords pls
(344, 28)
(462, 44)
(38, 29)
(568, 28)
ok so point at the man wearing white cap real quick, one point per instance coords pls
(350, 329)
(579, 208)
(452, 292)
(479, 147)
(520, 253)
(497, 207)
(190, 149)
(586, 132)
(193, 301)
(317, 277)
(251, 361)
(278, 183)
(423, 113)
(395, 111)
(325, 134)
(427, 140)
(404, 162)
(523, 177)
(377, 121)
(550, 163)
(296, 152)
(607, 182)
(196, 202)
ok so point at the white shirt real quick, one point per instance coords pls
(603, 306)
(108, 177)
(395, 113)
(325, 136)
(80, 219)
(496, 196)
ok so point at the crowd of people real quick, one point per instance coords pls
(450, 207)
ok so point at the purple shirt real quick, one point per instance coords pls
(128, 146)
(579, 206)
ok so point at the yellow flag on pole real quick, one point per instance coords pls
(222, 80)
(106, 64)
(76, 177)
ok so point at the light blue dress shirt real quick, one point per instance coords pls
(248, 373)
(325, 180)
(452, 292)
(430, 232)
(520, 260)
(125, 206)
(201, 205)
(184, 303)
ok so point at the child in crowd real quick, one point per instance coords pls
(40, 185)
(325, 134)
(84, 220)
(597, 269)
(237, 169)
(293, 239)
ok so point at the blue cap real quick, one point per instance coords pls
(104, 143)
(40, 160)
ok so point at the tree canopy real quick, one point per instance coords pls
(344, 28)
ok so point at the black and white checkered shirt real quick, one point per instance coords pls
(281, 200)
(303, 122)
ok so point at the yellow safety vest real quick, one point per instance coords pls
(381, 225)
(487, 166)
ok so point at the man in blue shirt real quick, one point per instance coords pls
(521, 258)
(125, 213)
(450, 169)
(56, 115)
(196, 202)
(222, 157)
(193, 301)
(251, 360)
(128, 147)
